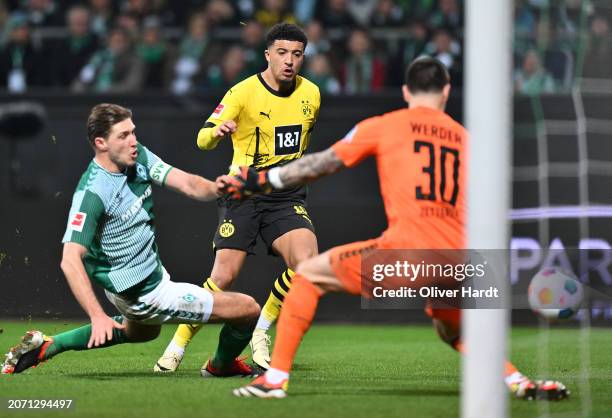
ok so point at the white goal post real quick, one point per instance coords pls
(488, 110)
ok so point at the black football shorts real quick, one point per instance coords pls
(268, 216)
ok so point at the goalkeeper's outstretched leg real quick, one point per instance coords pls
(447, 323)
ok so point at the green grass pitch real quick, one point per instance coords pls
(341, 371)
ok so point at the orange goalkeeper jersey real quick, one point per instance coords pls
(421, 159)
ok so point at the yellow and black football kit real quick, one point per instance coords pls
(273, 128)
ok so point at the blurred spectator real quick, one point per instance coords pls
(525, 23)
(417, 9)
(231, 71)
(569, 21)
(411, 47)
(449, 16)
(42, 13)
(4, 14)
(415, 44)
(317, 40)
(361, 10)
(245, 9)
(539, 4)
(531, 78)
(448, 50)
(70, 54)
(137, 9)
(363, 71)
(253, 42)
(560, 64)
(21, 65)
(220, 13)
(598, 58)
(558, 59)
(335, 14)
(129, 23)
(525, 30)
(182, 67)
(304, 10)
(115, 69)
(319, 71)
(387, 14)
(167, 11)
(182, 10)
(544, 34)
(194, 55)
(102, 14)
(273, 12)
(155, 54)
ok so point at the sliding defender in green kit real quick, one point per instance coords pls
(110, 240)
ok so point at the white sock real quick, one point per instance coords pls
(263, 323)
(174, 348)
(276, 376)
(514, 378)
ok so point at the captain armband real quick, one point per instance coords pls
(159, 171)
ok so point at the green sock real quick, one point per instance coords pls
(232, 341)
(77, 339)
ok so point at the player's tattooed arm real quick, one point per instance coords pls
(249, 181)
(310, 168)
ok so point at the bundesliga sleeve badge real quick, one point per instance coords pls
(218, 111)
(78, 221)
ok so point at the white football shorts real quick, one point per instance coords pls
(169, 302)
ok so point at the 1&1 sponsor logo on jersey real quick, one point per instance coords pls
(287, 139)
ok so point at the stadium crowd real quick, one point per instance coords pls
(355, 47)
(558, 43)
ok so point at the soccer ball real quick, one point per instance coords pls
(555, 294)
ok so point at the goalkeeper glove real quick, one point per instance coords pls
(247, 182)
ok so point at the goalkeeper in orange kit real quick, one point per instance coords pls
(421, 160)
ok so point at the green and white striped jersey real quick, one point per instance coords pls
(112, 216)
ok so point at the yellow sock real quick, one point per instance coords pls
(185, 332)
(271, 310)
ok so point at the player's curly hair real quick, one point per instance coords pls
(102, 118)
(286, 32)
(426, 75)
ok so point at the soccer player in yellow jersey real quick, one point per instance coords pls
(269, 118)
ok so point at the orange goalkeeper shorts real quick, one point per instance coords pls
(346, 262)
